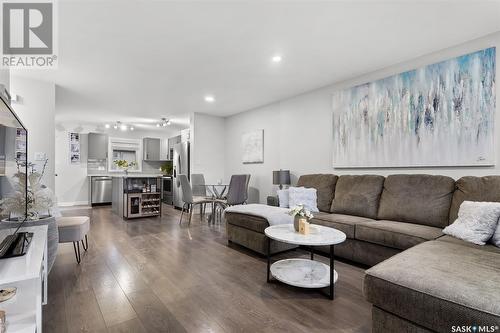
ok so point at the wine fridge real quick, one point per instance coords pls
(134, 205)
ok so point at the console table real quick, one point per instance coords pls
(23, 312)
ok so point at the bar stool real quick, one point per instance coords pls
(74, 229)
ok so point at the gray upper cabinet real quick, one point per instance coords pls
(152, 148)
(98, 146)
(164, 151)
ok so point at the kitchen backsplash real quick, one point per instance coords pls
(98, 167)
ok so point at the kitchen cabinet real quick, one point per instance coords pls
(98, 146)
(151, 147)
(164, 151)
(185, 135)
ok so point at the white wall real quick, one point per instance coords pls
(298, 131)
(72, 183)
(36, 109)
(207, 146)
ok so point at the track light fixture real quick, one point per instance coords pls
(163, 123)
(119, 125)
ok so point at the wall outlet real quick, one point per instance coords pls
(40, 156)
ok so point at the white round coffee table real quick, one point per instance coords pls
(299, 272)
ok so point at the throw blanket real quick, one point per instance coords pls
(274, 215)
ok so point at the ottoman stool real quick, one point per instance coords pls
(74, 229)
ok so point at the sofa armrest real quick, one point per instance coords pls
(273, 201)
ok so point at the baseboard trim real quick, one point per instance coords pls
(72, 203)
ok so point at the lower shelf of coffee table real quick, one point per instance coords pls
(303, 273)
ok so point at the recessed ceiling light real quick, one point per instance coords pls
(209, 99)
(276, 58)
(107, 126)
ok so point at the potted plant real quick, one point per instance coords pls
(124, 165)
(166, 168)
(35, 206)
(299, 212)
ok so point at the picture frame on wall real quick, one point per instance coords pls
(20, 144)
(439, 115)
(253, 147)
(74, 148)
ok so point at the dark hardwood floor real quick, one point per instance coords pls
(152, 275)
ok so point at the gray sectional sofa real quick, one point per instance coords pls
(422, 281)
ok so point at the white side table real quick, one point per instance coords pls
(304, 273)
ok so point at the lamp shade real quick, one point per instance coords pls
(281, 177)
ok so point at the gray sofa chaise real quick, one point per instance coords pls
(422, 281)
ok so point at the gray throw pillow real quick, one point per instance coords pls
(476, 222)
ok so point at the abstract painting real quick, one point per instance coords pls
(438, 115)
(253, 147)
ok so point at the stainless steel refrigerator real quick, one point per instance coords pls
(181, 166)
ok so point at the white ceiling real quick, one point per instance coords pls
(137, 61)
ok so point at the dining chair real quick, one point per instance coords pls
(188, 199)
(237, 193)
(199, 190)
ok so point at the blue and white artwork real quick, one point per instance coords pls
(439, 115)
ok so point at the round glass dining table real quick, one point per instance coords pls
(217, 192)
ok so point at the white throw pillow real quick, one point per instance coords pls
(496, 236)
(283, 198)
(476, 222)
(303, 196)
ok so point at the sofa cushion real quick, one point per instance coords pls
(398, 235)
(344, 223)
(438, 285)
(474, 189)
(487, 247)
(251, 222)
(325, 186)
(358, 195)
(420, 199)
(254, 241)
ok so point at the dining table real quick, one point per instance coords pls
(217, 192)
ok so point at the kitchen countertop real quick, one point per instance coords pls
(130, 175)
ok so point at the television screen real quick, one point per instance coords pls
(13, 166)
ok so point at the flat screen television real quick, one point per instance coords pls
(13, 168)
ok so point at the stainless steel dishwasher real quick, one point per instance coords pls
(101, 190)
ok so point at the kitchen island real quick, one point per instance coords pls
(136, 196)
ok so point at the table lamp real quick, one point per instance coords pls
(281, 177)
